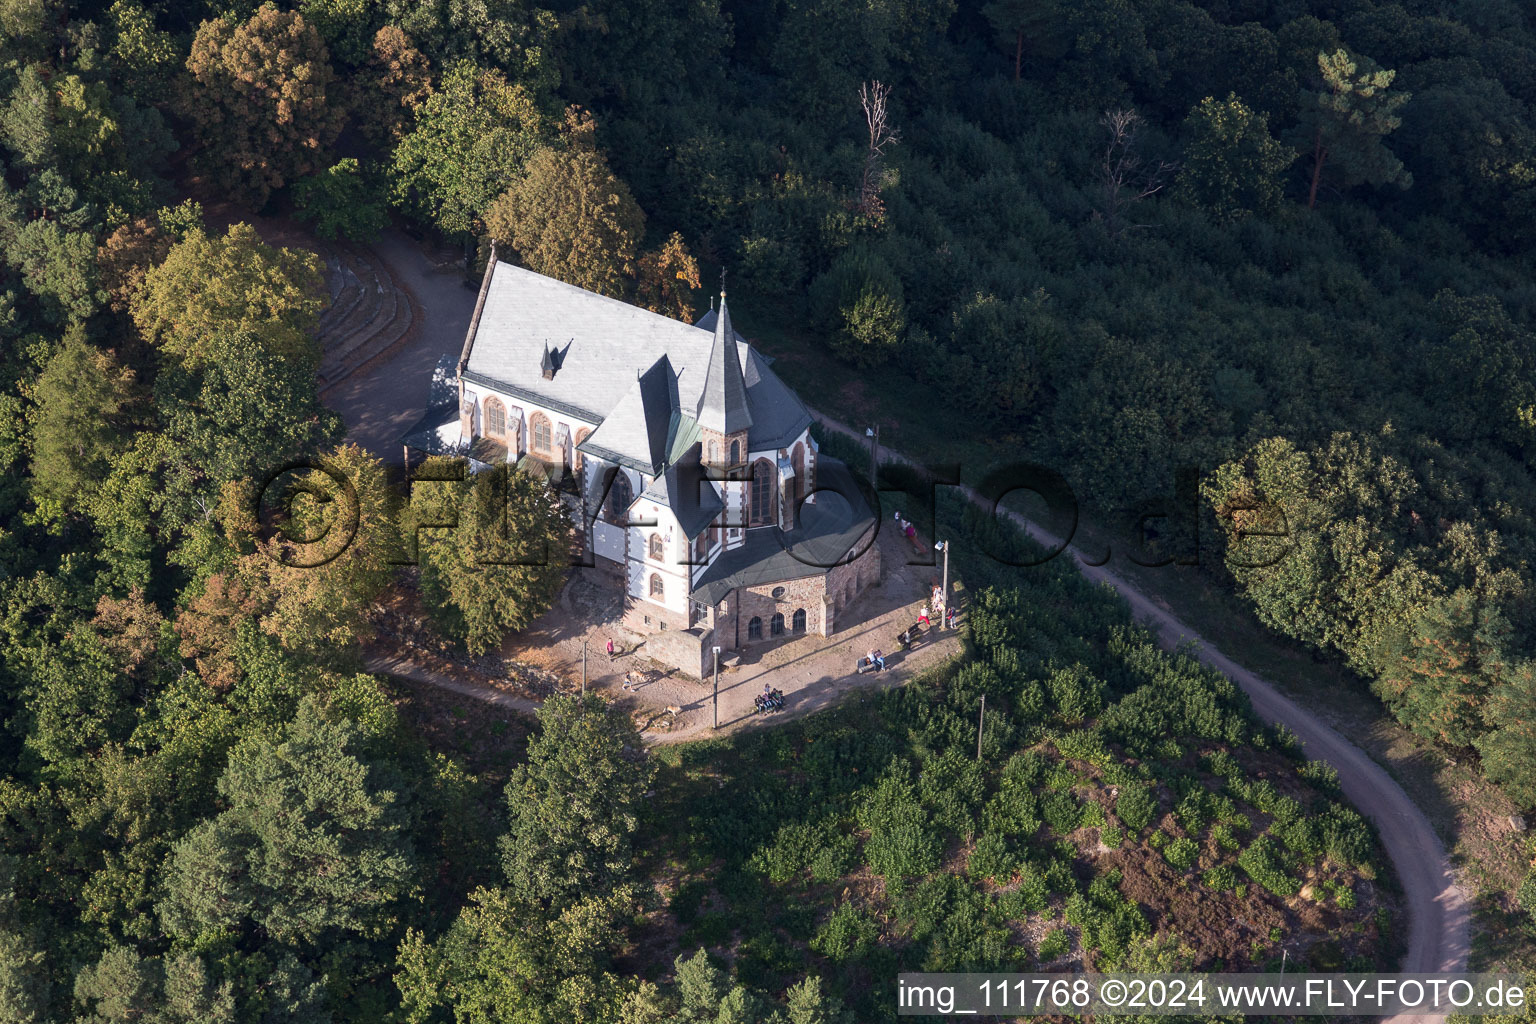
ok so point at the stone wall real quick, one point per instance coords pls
(690, 651)
(847, 582)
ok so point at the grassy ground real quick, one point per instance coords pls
(1471, 817)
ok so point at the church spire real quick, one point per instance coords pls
(723, 403)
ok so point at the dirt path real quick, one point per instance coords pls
(1438, 909)
(403, 668)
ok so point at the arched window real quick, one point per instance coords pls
(798, 622)
(495, 418)
(658, 589)
(701, 547)
(620, 495)
(538, 426)
(655, 546)
(776, 624)
(755, 629)
(762, 493)
(735, 452)
(579, 459)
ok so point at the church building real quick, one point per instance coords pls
(687, 463)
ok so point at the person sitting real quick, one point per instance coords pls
(878, 659)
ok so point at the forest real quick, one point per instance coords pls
(1285, 242)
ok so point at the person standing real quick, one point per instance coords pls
(610, 648)
(922, 617)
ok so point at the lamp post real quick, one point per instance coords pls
(873, 433)
(717, 688)
(944, 590)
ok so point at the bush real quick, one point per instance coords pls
(1054, 944)
(1135, 806)
(1061, 811)
(901, 840)
(1263, 863)
(1222, 877)
(1182, 853)
(848, 934)
(834, 860)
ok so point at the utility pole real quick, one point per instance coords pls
(873, 433)
(717, 688)
(583, 668)
(980, 721)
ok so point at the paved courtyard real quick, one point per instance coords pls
(812, 671)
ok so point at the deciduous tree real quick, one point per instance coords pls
(1232, 165)
(468, 140)
(502, 566)
(570, 217)
(209, 286)
(261, 100)
(574, 806)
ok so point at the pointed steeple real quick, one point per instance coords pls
(723, 403)
(548, 364)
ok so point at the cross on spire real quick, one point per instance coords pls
(722, 281)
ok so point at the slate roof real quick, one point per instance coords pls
(600, 346)
(684, 489)
(723, 402)
(638, 431)
(828, 530)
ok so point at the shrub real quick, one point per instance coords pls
(1263, 863)
(1061, 811)
(990, 859)
(1111, 836)
(1135, 806)
(848, 934)
(1054, 944)
(1182, 853)
(1222, 877)
(834, 860)
(901, 840)
(1222, 836)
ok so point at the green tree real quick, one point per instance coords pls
(261, 100)
(514, 36)
(124, 988)
(343, 200)
(859, 302)
(1232, 165)
(141, 55)
(569, 217)
(313, 841)
(315, 592)
(210, 286)
(574, 806)
(503, 563)
(505, 959)
(1350, 113)
(1508, 748)
(469, 139)
(77, 422)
